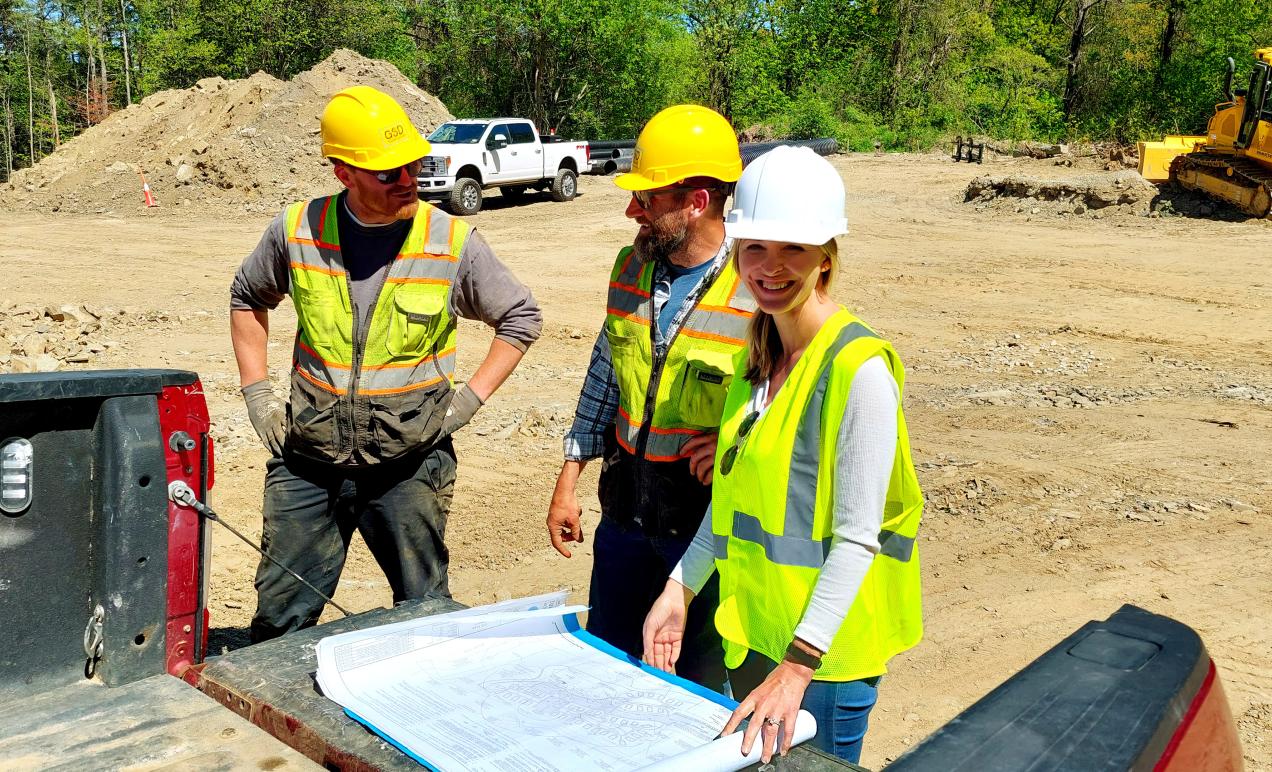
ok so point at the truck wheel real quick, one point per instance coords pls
(465, 197)
(513, 192)
(565, 186)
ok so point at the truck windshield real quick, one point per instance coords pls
(458, 133)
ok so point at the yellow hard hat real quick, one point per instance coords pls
(367, 128)
(681, 142)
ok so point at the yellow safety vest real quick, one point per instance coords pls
(347, 396)
(671, 401)
(773, 515)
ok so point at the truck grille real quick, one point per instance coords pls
(434, 166)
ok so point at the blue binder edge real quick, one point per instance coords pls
(572, 625)
(388, 739)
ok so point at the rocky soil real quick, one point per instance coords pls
(1096, 195)
(250, 145)
(35, 339)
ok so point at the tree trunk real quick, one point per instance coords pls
(105, 87)
(57, 135)
(101, 61)
(26, 45)
(90, 71)
(1077, 37)
(8, 137)
(896, 61)
(1174, 12)
(123, 31)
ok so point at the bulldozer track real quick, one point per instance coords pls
(1227, 174)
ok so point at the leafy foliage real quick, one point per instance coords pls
(899, 73)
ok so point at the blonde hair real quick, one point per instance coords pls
(764, 345)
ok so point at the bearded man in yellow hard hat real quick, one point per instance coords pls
(655, 389)
(377, 279)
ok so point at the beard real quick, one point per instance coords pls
(666, 235)
(408, 211)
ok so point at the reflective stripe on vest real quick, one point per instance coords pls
(799, 551)
(694, 378)
(801, 488)
(410, 343)
(772, 540)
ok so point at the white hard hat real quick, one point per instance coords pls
(789, 194)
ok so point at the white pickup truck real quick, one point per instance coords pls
(469, 156)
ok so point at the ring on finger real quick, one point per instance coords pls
(770, 721)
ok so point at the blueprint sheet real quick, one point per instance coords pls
(516, 687)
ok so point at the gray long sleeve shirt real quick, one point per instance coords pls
(484, 288)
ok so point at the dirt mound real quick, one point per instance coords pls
(250, 143)
(1095, 195)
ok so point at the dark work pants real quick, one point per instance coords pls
(311, 511)
(629, 571)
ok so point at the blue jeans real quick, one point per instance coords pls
(842, 709)
(629, 571)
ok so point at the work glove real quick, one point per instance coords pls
(268, 416)
(463, 405)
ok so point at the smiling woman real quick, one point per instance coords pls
(782, 277)
(815, 505)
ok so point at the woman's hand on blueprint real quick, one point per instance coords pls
(665, 626)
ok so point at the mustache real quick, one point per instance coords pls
(660, 242)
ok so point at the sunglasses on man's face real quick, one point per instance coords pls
(645, 198)
(731, 455)
(390, 176)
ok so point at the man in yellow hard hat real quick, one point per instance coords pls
(655, 389)
(377, 279)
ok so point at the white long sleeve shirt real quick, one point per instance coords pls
(863, 467)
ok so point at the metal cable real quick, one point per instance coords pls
(182, 494)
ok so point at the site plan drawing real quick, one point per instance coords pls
(518, 686)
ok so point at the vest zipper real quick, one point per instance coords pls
(359, 343)
(354, 373)
(651, 394)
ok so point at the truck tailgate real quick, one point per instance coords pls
(157, 722)
(1135, 692)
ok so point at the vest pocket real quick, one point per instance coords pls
(625, 355)
(312, 429)
(416, 319)
(320, 316)
(704, 387)
(408, 422)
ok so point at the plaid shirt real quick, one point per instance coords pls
(597, 409)
(598, 400)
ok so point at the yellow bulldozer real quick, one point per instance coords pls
(1233, 162)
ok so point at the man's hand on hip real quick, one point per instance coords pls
(268, 415)
(464, 404)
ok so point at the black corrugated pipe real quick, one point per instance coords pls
(611, 144)
(602, 166)
(610, 165)
(821, 146)
(619, 160)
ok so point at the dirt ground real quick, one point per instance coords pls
(1090, 403)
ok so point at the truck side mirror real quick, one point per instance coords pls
(498, 142)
